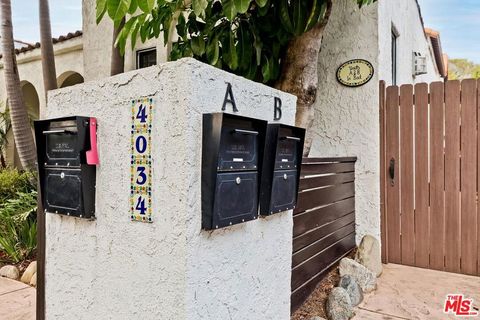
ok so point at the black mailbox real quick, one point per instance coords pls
(231, 158)
(281, 168)
(67, 158)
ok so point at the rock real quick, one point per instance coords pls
(10, 272)
(317, 318)
(33, 281)
(29, 272)
(339, 306)
(369, 254)
(365, 278)
(353, 289)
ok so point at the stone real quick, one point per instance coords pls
(339, 306)
(369, 254)
(33, 281)
(29, 272)
(353, 289)
(10, 272)
(317, 318)
(365, 278)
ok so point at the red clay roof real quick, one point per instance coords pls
(62, 38)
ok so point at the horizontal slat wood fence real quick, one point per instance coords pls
(323, 221)
(432, 150)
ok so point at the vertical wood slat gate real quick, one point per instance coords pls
(323, 221)
(430, 175)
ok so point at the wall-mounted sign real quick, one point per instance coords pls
(141, 161)
(355, 73)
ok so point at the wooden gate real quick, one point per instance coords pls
(429, 173)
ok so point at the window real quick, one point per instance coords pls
(146, 58)
(394, 56)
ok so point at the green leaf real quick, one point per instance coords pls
(230, 52)
(117, 9)
(266, 70)
(261, 3)
(264, 9)
(101, 8)
(133, 6)
(229, 9)
(198, 46)
(199, 7)
(213, 51)
(134, 36)
(242, 5)
(182, 27)
(318, 6)
(299, 16)
(146, 5)
(285, 16)
(245, 49)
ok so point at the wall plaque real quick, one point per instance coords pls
(141, 161)
(355, 73)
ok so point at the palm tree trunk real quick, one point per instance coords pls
(117, 65)
(22, 132)
(300, 75)
(48, 55)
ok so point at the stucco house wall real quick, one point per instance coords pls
(347, 119)
(405, 18)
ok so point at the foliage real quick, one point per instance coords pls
(5, 126)
(18, 226)
(462, 69)
(13, 181)
(246, 37)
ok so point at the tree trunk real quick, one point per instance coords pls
(300, 75)
(22, 132)
(117, 65)
(48, 55)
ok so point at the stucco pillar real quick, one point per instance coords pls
(114, 268)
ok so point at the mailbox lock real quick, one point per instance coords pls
(285, 176)
(238, 180)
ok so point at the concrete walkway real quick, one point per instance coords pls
(413, 293)
(17, 300)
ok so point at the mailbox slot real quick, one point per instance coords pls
(281, 168)
(67, 181)
(231, 157)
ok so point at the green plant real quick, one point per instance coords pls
(18, 226)
(246, 37)
(13, 181)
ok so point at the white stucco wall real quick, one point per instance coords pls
(112, 268)
(404, 16)
(346, 119)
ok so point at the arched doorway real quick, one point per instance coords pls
(69, 78)
(30, 97)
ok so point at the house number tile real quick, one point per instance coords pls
(141, 161)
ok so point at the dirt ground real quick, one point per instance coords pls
(315, 304)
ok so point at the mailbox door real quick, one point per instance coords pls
(236, 198)
(62, 143)
(284, 191)
(287, 150)
(63, 191)
(238, 149)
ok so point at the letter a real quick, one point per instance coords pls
(229, 98)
